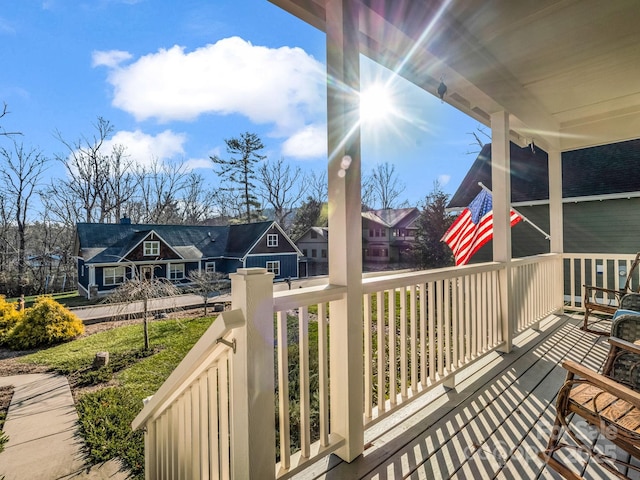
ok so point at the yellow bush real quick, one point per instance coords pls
(44, 324)
(9, 317)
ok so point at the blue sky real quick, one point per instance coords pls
(177, 78)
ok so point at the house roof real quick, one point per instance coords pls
(108, 243)
(391, 217)
(589, 172)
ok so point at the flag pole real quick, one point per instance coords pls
(546, 235)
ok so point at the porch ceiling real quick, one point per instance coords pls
(567, 71)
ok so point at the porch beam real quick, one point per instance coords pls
(345, 224)
(501, 187)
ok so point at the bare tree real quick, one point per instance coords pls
(4, 112)
(385, 185)
(159, 189)
(239, 170)
(282, 188)
(80, 194)
(205, 284)
(478, 134)
(142, 289)
(318, 187)
(197, 202)
(20, 174)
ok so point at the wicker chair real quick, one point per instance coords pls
(623, 361)
(610, 407)
(606, 300)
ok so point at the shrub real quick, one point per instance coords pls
(9, 317)
(44, 324)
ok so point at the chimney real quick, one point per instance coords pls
(125, 221)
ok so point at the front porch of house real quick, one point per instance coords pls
(262, 394)
(491, 425)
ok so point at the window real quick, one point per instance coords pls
(210, 267)
(377, 232)
(176, 271)
(113, 275)
(314, 253)
(371, 232)
(151, 249)
(314, 234)
(383, 232)
(272, 240)
(304, 252)
(323, 253)
(274, 267)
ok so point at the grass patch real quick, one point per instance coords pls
(68, 299)
(106, 414)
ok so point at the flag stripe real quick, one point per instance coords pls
(465, 237)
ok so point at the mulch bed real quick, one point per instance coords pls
(5, 399)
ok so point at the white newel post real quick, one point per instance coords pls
(501, 188)
(345, 225)
(253, 440)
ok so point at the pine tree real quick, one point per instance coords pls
(428, 251)
(239, 170)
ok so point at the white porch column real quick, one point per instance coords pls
(345, 225)
(501, 188)
(555, 202)
(556, 219)
(253, 440)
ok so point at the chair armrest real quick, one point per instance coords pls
(604, 290)
(624, 344)
(605, 383)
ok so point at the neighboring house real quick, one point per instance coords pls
(387, 236)
(314, 245)
(600, 190)
(108, 254)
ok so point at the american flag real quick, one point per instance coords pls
(473, 228)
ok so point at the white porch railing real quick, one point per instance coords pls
(187, 420)
(420, 329)
(602, 270)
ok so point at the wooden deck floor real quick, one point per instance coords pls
(491, 426)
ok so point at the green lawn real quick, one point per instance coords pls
(106, 414)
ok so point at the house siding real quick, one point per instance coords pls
(611, 226)
(288, 264)
(284, 244)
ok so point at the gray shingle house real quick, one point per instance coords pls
(108, 253)
(600, 191)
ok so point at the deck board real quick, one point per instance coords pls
(490, 426)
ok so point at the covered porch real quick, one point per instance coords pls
(368, 351)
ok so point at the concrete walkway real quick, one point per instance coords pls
(43, 433)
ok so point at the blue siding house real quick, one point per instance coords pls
(109, 254)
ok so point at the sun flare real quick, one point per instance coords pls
(376, 104)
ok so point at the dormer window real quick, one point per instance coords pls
(272, 240)
(151, 249)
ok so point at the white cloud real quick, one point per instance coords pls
(110, 59)
(280, 86)
(144, 149)
(309, 142)
(444, 179)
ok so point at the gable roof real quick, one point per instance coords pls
(109, 243)
(391, 217)
(589, 172)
